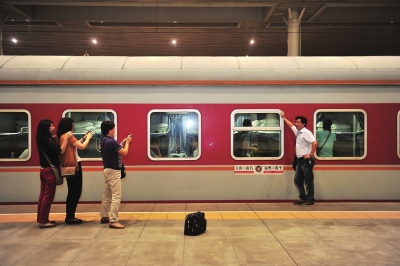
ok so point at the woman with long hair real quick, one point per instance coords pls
(70, 158)
(47, 144)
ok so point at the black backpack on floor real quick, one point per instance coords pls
(195, 224)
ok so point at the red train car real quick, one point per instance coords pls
(192, 109)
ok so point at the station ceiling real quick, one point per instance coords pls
(199, 28)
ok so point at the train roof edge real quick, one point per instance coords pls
(176, 70)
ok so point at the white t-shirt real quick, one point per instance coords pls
(303, 141)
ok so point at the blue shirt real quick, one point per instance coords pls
(109, 152)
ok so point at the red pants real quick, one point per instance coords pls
(46, 196)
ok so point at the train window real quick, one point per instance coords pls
(398, 134)
(86, 120)
(174, 134)
(264, 140)
(341, 134)
(15, 135)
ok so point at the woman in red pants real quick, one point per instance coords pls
(47, 144)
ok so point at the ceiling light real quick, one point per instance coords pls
(14, 40)
(252, 41)
(173, 41)
(94, 41)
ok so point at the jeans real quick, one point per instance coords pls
(305, 176)
(74, 192)
(46, 196)
(112, 194)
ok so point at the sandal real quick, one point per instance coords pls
(48, 225)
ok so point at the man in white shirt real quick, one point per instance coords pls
(305, 149)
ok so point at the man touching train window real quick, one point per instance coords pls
(305, 149)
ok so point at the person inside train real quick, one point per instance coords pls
(154, 149)
(306, 145)
(195, 145)
(70, 158)
(112, 152)
(49, 150)
(325, 139)
(244, 142)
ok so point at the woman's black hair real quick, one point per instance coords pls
(64, 126)
(43, 133)
(327, 124)
(247, 123)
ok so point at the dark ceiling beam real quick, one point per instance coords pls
(318, 13)
(146, 3)
(269, 11)
(150, 14)
(380, 11)
(25, 11)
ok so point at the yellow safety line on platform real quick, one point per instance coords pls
(215, 215)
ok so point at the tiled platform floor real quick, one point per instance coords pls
(237, 234)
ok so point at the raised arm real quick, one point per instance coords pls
(287, 122)
(86, 139)
(125, 146)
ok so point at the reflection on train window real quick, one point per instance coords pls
(174, 134)
(90, 120)
(15, 135)
(263, 141)
(341, 134)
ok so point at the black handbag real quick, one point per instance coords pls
(56, 171)
(123, 172)
(195, 224)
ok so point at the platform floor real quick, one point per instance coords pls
(237, 234)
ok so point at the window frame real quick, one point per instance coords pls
(95, 111)
(398, 134)
(257, 111)
(17, 159)
(343, 111)
(177, 111)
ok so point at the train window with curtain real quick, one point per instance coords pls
(15, 135)
(174, 134)
(90, 120)
(398, 134)
(341, 134)
(256, 134)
